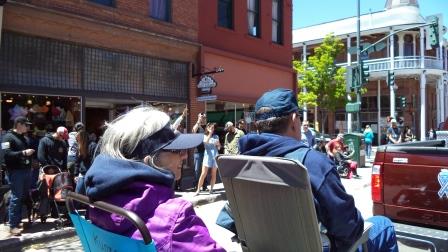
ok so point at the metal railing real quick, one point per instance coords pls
(407, 62)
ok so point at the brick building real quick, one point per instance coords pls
(251, 41)
(421, 72)
(63, 61)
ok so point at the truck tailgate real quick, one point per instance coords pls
(415, 189)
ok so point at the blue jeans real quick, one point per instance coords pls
(382, 235)
(80, 187)
(198, 158)
(20, 182)
(368, 149)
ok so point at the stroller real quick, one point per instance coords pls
(53, 189)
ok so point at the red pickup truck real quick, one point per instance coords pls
(410, 186)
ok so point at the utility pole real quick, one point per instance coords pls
(2, 2)
(358, 54)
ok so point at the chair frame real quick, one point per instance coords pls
(131, 216)
(267, 195)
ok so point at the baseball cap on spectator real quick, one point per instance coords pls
(63, 132)
(276, 103)
(228, 125)
(22, 120)
(393, 120)
(78, 126)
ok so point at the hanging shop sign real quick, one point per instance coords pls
(206, 83)
(207, 98)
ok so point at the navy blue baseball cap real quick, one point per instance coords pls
(166, 139)
(278, 102)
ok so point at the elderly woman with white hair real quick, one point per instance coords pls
(139, 160)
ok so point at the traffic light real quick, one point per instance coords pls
(403, 101)
(352, 78)
(355, 78)
(364, 71)
(390, 78)
(434, 32)
(400, 102)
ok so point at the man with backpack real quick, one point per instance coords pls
(278, 121)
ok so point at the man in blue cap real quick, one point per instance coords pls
(278, 121)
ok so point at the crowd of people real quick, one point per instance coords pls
(141, 154)
(72, 152)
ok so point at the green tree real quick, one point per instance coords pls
(323, 80)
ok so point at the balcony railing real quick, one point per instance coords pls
(408, 62)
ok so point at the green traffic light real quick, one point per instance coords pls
(390, 78)
(434, 33)
(364, 71)
(402, 101)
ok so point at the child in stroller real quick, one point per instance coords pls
(53, 187)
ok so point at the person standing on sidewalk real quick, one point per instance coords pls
(278, 121)
(199, 127)
(84, 158)
(231, 139)
(368, 139)
(53, 149)
(212, 145)
(242, 126)
(393, 133)
(18, 160)
(307, 135)
(73, 146)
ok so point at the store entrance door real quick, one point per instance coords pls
(95, 120)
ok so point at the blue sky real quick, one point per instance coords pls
(311, 12)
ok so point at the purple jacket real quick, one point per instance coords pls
(172, 222)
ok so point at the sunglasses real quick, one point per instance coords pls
(180, 152)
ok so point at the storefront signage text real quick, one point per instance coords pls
(206, 83)
(207, 98)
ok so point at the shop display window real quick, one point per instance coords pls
(44, 111)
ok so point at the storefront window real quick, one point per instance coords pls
(221, 112)
(99, 111)
(44, 111)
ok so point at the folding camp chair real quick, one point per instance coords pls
(94, 238)
(272, 203)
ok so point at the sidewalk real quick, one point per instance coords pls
(38, 232)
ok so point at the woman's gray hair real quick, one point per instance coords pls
(125, 132)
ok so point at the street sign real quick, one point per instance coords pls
(352, 107)
(207, 98)
(364, 56)
(379, 46)
(352, 49)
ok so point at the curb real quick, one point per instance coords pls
(207, 200)
(17, 243)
